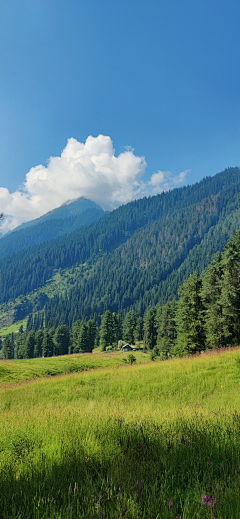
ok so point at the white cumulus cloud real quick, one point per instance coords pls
(89, 169)
(165, 180)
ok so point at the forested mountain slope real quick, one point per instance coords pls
(63, 220)
(151, 266)
(137, 255)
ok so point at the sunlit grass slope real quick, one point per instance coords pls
(21, 370)
(156, 440)
(13, 328)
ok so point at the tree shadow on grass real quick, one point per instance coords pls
(190, 469)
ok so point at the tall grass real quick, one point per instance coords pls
(146, 441)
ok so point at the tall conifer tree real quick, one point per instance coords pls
(107, 331)
(7, 349)
(211, 294)
(231, 290)
(47, 345)
(129, 326)
(150, 329)
(30, 345)
(190, 320)
(167, 330)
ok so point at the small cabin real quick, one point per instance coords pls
(128, 347)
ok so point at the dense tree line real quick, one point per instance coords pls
(49, 342)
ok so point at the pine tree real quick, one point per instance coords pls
(138, 332)
(117, 327)
(190, 322)
(92, 334)
(38, 343)
(20, 345)
(231, 290)
(150, 330)
(129, 327)
(167, 330)
(30, 345)
(75, 334)
(30, 322)
(82, 343)
(47, 345)
(7, 349)
(106, 331)
(211, 294)
(61, 340)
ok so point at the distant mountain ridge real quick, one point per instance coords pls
(69, 208)
(63, 220)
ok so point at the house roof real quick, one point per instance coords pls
(129, 346)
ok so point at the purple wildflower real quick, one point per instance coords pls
(208, 463)
(170, 503)
(205, 500)
(209, 501)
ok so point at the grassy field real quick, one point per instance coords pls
(12, 371)
(153, 441)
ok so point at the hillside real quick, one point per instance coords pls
(60, 221)
(135, 256)
(158, 439)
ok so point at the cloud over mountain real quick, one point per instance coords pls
(89, 169)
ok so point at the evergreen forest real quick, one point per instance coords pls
(206, 316)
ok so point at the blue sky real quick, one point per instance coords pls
(162, 77)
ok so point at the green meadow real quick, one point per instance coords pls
(12, 329)
(144, 441)
(12, 371)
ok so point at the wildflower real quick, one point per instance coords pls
(208, 463)
(183, 439)
(170, 503)
(205, 500)
(209, 501)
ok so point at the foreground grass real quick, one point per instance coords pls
(147, 441)
(20, 370)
